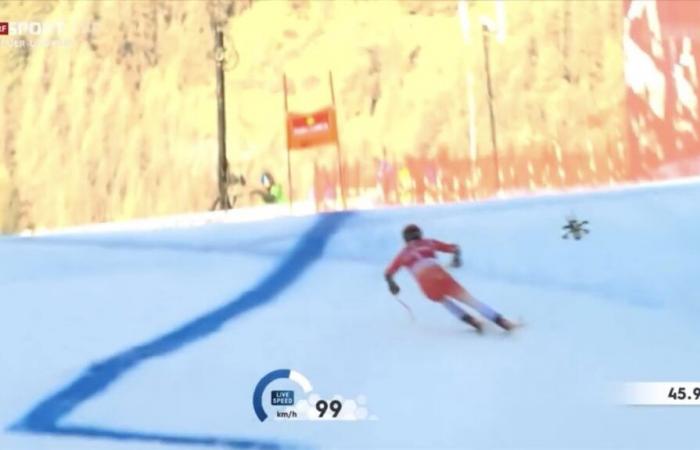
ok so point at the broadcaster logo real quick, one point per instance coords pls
(33, 33)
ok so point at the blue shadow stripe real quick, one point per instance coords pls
(107, 242)
(45, 416)
(122, 435)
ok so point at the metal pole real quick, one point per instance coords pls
(337, 143)
(494, 143)
(224, 201)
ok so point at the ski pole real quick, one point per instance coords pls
(406, 307)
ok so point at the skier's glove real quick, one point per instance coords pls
(393, 287)
(457, 258)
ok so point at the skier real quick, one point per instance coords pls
(419, 257)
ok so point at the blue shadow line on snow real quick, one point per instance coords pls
(44, 417)
(111, 243)
(122, 435)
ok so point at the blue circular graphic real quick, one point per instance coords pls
(293, 375)
(260, 388)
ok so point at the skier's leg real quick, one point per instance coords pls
(465, 297)
(437, 285)
(468, 299)
(461, 314)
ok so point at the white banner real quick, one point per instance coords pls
(678, 393)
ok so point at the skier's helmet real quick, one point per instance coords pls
(412, 232)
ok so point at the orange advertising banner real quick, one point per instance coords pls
(662, 58)
(311, 130)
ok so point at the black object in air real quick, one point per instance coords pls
(575, 228)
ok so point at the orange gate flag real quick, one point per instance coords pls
(311, 130)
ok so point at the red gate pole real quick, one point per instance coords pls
(286, 127)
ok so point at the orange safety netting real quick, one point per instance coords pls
(415, 180)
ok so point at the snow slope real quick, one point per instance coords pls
(147, 339)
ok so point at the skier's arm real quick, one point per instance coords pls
(389, 274)
(449, 248)
(444, 247)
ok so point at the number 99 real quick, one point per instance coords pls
(335, 407)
